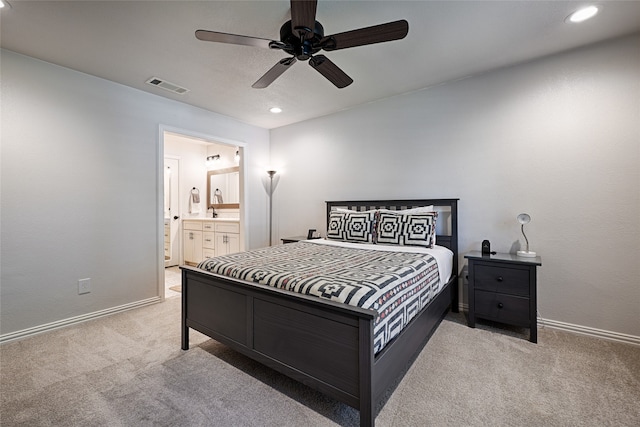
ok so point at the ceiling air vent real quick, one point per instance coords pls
(154, 81)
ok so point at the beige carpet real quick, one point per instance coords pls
(128, 370)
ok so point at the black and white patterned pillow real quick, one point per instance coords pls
(352, 226)
(335, 229)
(407, 230)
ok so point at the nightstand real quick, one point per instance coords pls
(502, 288)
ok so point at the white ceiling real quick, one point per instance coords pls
(130, 41)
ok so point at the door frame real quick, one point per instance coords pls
(176, 249)
(244, 191)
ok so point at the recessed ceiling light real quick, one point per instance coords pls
(4, 4)
(582, 14)
(275, 110)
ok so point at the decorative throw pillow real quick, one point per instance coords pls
(407, 230)
(335, 229)
(352, 226)
(361, 227)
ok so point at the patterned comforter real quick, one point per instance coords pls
(397, 285)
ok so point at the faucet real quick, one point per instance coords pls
(214, 214)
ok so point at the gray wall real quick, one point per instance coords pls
(558, 138)
(80, 195)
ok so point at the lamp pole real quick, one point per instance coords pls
(271, 174)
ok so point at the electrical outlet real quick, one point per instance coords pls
(84, 286)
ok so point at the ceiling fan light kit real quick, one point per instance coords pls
(303, 37)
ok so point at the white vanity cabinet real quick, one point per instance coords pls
(206, 238)
(208, 245)
(227, 235)
(167, 241)
(192, 242)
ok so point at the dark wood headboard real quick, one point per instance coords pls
(446, 226)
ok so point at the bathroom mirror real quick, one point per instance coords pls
(223, 188)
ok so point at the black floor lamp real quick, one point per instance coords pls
(271, 174)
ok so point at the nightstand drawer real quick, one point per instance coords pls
(513, 281)
(502, 308)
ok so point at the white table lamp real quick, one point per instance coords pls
(523, 219)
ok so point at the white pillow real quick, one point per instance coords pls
(413, 211)
(352, 211)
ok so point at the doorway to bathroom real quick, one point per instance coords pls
(187, 164)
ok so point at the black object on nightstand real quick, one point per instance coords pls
(502, 288)
(295, 239)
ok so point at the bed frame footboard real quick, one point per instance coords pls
(324, 345)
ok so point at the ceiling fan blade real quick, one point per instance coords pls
(376, 34)
(331, 71)
(275, 72)
(214, 36)
(303, 17)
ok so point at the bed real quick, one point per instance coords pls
(301, 335)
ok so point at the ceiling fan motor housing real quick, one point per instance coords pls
(301, 46)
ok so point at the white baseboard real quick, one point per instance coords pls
(579, 329)
(74, 320)
(588, 331)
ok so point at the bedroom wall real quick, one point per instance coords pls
(80, 160)
(558, 138)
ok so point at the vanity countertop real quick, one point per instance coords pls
(212, 219)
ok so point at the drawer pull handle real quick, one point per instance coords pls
(500, 305)
(499, 279)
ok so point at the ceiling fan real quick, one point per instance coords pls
(303, 37)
